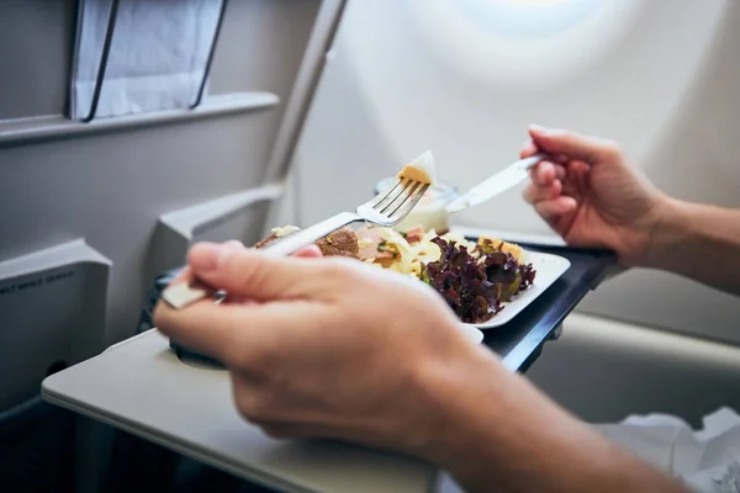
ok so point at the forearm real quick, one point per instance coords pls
(698, 241)
(509, 437)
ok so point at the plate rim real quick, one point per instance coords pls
(473, 333)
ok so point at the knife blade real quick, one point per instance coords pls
(502, 181)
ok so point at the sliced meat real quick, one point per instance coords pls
(415, 235)
(370, 239)
(342, 242)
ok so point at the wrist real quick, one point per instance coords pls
(497, 432)
(459, 394)
(481, 421)
(643, 240)
(669, 227)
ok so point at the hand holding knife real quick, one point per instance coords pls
(502, 181)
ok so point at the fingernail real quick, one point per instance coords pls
(538, 129)
(207, 256)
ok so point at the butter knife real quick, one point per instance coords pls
(502, 181)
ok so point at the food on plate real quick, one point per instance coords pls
(475, 282)
(276, 234)
(474, 278)
(342, 242)
(420, 169)
(403, 252)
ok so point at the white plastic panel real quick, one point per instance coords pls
(53, 304)
(34, 63)
(604, 370)
(660, 77)
(236, 216)
(110, 182)
(142, 387)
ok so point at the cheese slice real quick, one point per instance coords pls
(420, 169)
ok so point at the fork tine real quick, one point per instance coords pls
(383, 207)
(381, 197)
(414, 197)
(410, 191)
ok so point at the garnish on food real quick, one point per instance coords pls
(476, 282)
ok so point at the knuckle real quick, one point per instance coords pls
(251, 359)
(235, 351)
(234, 357)
(611, 149)
(336, 271)
(544, 209)
(243, 399)
(245, 271)
(276, 432)
(261, 409)
(252, 405)
(260, 365)
(560, 133)
(251, 273)
(163, 317)
(529, 193)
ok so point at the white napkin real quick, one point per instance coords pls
(707, 461)
(157, 57)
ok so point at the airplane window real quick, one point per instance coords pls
(510, 41)
(528, 18)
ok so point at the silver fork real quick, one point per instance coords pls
(387, 209)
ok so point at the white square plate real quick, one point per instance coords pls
(472, 333)
(548, 268)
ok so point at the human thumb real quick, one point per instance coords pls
(252, 274)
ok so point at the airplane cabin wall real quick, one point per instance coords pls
(457, 77)
(101, 188)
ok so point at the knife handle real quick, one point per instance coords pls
(531, 161)
(481, 192)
